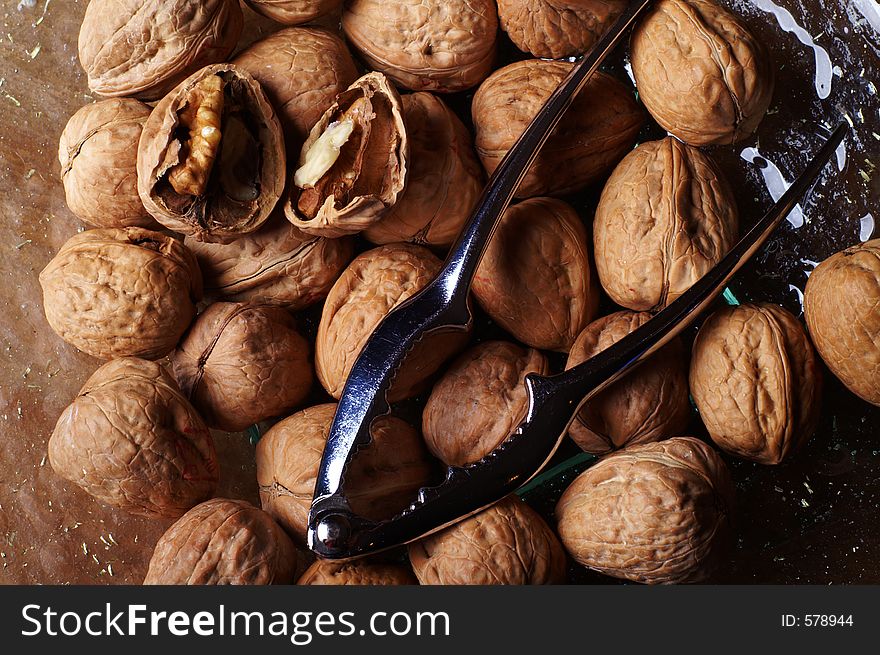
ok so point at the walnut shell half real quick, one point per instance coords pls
(132, 440)
(293, 12)
(358, 572)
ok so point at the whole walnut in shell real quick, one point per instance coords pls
(700, 72)
(357, 572)
(555, 29)
(506, 544)
(432, 45)
(132, 440)
(240, 364)
(479, 401)
(535, 279)
(276, 265)
(144, 48)
(665, 218)
(444, 181)
(98, 157)
(656, 513)
(224, 542)
(384, 478)
(599, 128)
(755, 379)
(649, 404)
(211, 159)
(114, 292)
(293, 12)
(840, 305)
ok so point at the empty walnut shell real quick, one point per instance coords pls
(599, 128)
(132, 440)
(383, 479)
(433, 45)
(555, 29)
(665, 218)
(755, 379)
(506, 544)
(535, 279)
(276, 265)
(444, 181)
(293, 12)
(657, 513)
(98, 156)
(479, 401)
(240, 364)
(114, 292)
(224, 542)
(144, 48)
(358, 572)
(840, 304)
(649, 404)
(700, 72)
(368, 170)
(211, 159)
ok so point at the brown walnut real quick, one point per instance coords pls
(113, 292)
(293, 12)
(211, 156)
(599, 128)
(700, 72)
(132, 440)
(358, 572)
(665, 218)
(240, 364)
(224, 542)
(649, 404)
(656, 513)
(144, 48)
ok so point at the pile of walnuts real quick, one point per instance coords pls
(227, 191)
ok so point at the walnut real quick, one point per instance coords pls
(98, 157)
(211, 156)
(665, 218)
(508, 544)
(431, 45)
(555, 29)
(277, 265)
(598, 129)
(353, 166)
(293, 12)
(373, 284)
(700, 72)
(445, 178)
(840, 304)
(132, 440)
(358, 572)
(535, 279)
(755, 379)
(144, 48)
(654, 513)
(479, 401)
(240, 364)
(384, 478)
(649, 404)
(113, 292)
(224, 542)
(302, 70)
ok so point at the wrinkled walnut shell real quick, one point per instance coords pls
(247, 175)
(700, 72)
(357, 572)
(479, 401)
(224, 542)
(665, 218)
(657, 513)
(506, 544)
(599, 128)
(840, 305)
(535, 279)
(649, 404)
(114, 292)
(293, 12)
(98, 157)
(144, 48)
(433, 45)
(132, 440)
(241, 364)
